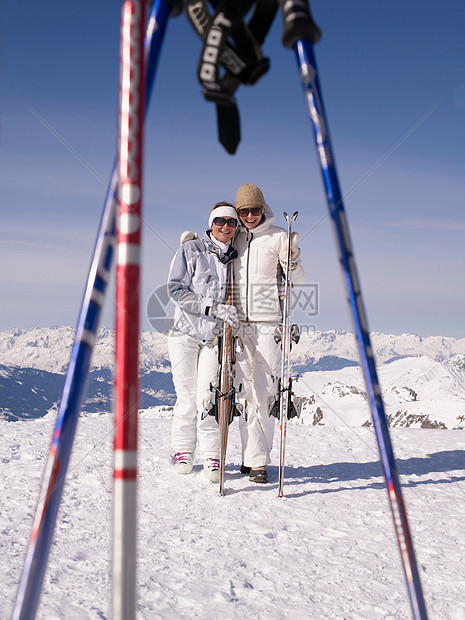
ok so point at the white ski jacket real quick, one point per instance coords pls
(197, 278)
(258, 276)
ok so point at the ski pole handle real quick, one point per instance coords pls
(298, 23)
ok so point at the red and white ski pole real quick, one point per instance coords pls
(131, 120)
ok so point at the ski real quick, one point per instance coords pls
(224, 396)
(285, 382)
(225, 408)
(300, 33)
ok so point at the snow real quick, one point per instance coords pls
(325, 550)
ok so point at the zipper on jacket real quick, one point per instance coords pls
(247, 276)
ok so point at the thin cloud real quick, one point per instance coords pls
(428, 223)
(41, 246)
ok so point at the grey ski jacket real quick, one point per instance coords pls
(197, 278)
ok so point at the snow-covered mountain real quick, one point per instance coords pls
(423, 379)
(318, 348)
(50, 349)
(33, 364)
(419, 392)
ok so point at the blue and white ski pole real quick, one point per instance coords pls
(38, 549)
(300, 33)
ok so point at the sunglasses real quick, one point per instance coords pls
(253, 210)
(222, 221)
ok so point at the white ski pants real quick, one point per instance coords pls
(258, 367)
(194, 366)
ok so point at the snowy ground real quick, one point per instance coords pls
(326, 550)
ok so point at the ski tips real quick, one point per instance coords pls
(293, 218)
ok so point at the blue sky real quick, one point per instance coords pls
(383, 67)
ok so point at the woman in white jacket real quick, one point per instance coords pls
(258, 282)
(197, 287)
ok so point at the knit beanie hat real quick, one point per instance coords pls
(249, 195)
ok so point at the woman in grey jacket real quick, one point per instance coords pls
(197, 287)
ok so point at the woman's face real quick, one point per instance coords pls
(251, 216)
(223, 228)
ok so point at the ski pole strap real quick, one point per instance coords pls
(298, 23)
(176, 7)
(235, 47)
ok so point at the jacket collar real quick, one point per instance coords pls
(213, 248)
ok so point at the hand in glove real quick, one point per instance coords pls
(295, 252)
(226, 313)
(187, 235)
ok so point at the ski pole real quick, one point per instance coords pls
(129, 224)
(37, 552)
(285, 388)
(300, 33)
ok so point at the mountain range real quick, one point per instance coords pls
(422, 378)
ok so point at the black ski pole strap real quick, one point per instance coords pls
(247, 39)
(176, 7)
(262, 18)
(234, 47)
(298, 23)
(214, 32)
(229, 125)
